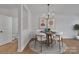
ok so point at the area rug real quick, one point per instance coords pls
(54, 49)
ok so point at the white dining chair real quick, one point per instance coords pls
(60, 35)
(58, 38)
(41, 37)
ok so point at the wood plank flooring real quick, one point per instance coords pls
(11, 47)
(73, 46)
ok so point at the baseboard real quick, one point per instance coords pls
(68, 38)
(20, 50)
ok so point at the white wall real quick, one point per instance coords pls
(35, 21)
(64, 23)
(25, 19)
(24, 27)
(6, 27)
(9, 12)
(14, 27)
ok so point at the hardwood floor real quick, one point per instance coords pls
(72, 42)
(11, 47)
(73, 46)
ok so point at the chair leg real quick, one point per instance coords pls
(62, 41)
(51, 40)
(59, 43)
(35, 44)
(41, 46)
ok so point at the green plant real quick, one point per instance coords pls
(76, 28)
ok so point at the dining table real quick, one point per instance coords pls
(49, 36)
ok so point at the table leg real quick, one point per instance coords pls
(59, 43)
(62, 41)
(41, 44)
(51, 41)
(35, 43)
(48, 41)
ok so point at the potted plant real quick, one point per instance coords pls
(76, 28)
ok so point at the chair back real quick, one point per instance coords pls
(40, 36)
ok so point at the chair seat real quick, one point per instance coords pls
(43, 39)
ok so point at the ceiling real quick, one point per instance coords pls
(8, 6)
(58, 8)
(67, 9)
(9, 10)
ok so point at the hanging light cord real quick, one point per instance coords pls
(48, 10)
(47, 15)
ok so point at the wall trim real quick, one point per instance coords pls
(68, 38)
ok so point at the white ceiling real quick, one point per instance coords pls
(58, 8)
(9, 10)
(8, 6)
(67, 9)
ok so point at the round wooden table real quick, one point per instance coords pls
(49, 38)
